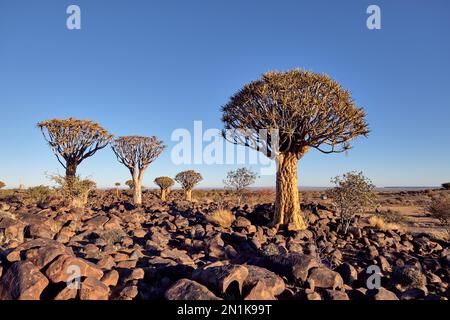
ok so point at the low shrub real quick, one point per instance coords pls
(75, 189)
(440, 209)
(37, 195)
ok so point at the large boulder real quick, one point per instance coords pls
(323, 277)
(22, 281)
(64, 267)
(93, 289)
(274, 283)
(218, 276)
(186, 289)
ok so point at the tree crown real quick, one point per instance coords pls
(240, 179)
(164, 182)
(352, 193)
(188, 179)
(129, 183)
(137, 152)
(73, 139)
(296, 110)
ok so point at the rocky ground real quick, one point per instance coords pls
(170, 250)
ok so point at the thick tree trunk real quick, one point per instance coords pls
(163, 194)
(71, 169)
(188, 195)
(71, 172)
(137, 190)
(287, 203)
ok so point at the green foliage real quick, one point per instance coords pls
(37, 195)
(117, 184)
(238, 180)
(353, 192)
(74, 188)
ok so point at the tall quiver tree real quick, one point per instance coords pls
(74, 140)
(136, 153)
(283, 115)
(164, 183)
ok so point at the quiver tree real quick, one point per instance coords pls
(2, 184)
(74, 140)
(164, 183)
(238, 180)
(117, 184)
(283, 115)
(129, 183)
(188, 179)
(136, 153)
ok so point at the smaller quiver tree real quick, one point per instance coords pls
(188, 179)
(164, 183)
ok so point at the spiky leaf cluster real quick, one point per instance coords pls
(74, 140)
(297, 110)
(188, 179)
(164, 182)
(137, 152)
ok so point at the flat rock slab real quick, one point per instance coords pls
(220, 277)
(186, 289)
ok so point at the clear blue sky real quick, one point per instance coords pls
(149, 67)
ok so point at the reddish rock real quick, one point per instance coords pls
(106, 262)
(63, 267)
(179, 256)
(186, 289)
(11, 230)
(260, 292)
(322, 277)
(129, 293)
(67, 294)
(220, 277)
(381, 294)
(22, 281)
(274, 283)
(302, 266)
(93, 289)
(110, 278)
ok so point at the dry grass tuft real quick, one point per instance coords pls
(221, 217)
(379, 223)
